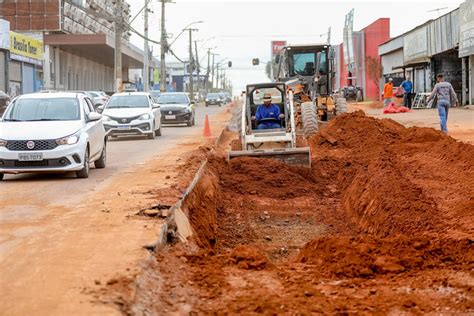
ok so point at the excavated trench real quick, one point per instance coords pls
(383, 223)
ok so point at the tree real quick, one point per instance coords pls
(374, 71)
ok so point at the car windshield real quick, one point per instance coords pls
(42, 109)
(94, 94)
(213, 95)
(173, 99)
(128, 101)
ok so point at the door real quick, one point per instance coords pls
(93, 130)
(28, 78)
(156, 111)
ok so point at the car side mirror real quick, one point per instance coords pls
(100, 109)
(156, 106)
(94, 116)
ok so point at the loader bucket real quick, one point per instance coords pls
(293, 156)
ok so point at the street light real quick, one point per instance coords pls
(184, 29)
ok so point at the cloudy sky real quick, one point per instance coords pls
(242, 30)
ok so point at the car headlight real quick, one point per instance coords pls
(68, 140)
(145, 117)
(106, 118)
(207, 99)
(218, 99)
(3, 143)
(186, 110)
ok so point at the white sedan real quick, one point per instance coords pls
(132, 113)
(51, 132)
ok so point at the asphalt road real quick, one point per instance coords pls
(123, 152)
(60, 235)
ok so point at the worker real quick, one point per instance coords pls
(407, 87)
(444, 96)
(267, 110)
(388, 92)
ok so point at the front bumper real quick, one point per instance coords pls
(63, 158)
(213, 102)
(136, 127)
(175, 118)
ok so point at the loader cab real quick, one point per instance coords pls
(308, 62)
(255, 93)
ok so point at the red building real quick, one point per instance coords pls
(366, 70)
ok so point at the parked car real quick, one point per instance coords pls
(99, 98)
(51, 132)
(228, 97)
(176, 108)
(223, 97)
(214, 99)
(132, 113)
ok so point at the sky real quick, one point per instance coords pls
(242, 30)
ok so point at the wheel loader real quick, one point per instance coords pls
(308, 70)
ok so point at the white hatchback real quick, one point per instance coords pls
(51, 132)
(132, 113)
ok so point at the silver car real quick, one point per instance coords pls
(51, 132)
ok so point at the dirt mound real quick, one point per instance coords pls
(366, 256)
(392, 177)
(247, 257)
(265, 177)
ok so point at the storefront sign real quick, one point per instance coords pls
(277, 46)
(466, 28)
(4, 34)
(25, 46)
(415, 45)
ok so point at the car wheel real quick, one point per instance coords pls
(189, 123)
(220, 104)
(158, 131)
(100, 163)
(84, 173)
(152, 134)
(1, 176)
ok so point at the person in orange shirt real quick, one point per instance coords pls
(388, 92)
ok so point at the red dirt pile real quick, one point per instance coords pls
(383, 224)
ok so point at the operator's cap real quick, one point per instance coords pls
(390, 79)
(267, 96)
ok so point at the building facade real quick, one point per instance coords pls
(78, 37)
(364, 72)
(443, 45)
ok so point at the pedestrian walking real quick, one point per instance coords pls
(444, 96)
(407, 87)
(388, 93)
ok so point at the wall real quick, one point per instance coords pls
(36, 15)
(375, 34)
(390, 60)
(72, 72)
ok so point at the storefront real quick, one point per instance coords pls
(4, 48)
(25, 71)
(466, 50)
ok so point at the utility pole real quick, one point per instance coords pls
(118, 45)
(164, 49)
(208, 72)
(146, 58)
(212, 81)
(197, 65)
(217, 77)
(191, 63)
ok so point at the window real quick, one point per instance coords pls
(90, 105)
(258, 94)
(128, 101)
(44, 109)
(304, 63)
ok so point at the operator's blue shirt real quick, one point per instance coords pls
(407, 86)
(272, 111)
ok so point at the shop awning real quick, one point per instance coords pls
(412, 65)
(97, 47)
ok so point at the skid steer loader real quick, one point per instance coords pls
(276, 143)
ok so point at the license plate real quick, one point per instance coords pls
(30, 157)
(125, 127)
(170, 117)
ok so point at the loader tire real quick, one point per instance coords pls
(236, 145)
(309, 117)
(341, 105)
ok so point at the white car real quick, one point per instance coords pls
(51, 132)
(132, 113)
